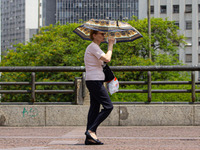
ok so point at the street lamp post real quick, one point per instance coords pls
(149, 25)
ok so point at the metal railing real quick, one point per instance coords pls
(147, 69)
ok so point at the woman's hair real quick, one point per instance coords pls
(91, 34)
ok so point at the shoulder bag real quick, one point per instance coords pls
(109, 75)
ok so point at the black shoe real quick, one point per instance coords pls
(89, 141)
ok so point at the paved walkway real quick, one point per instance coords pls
(114, 138)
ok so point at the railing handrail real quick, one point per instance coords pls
(147, 69)
(43, 69)
(155, 68)
(82, 68)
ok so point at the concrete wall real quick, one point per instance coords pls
(122, 115)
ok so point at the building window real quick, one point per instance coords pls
(163, 9)
(175, 8)
(199, 8)
(110, 9)
(199, 41)
(188, 41)
(152, 9)
(199, 24)
(176, 23)
(199, 58)
(188, 25)
(188, 58)
(188, 8)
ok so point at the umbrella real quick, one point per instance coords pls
(121, 31)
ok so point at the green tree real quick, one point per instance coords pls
(59, 46)
(53, 46)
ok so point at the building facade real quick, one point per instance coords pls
(70, 11)
(12, 23)
(186, 14)
(19, 21)
(48, 12)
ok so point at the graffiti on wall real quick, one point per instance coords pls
(31, 112)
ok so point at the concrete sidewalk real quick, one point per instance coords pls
(114, 138)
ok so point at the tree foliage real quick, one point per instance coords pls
(58, 46)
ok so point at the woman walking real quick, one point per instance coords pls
(94, 59)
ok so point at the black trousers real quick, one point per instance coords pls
(98, 96)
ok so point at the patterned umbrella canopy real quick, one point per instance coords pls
(121, 31)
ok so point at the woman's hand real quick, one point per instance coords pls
(111, 40)
(108, 55)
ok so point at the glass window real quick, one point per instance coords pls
(80, 5)
(163, 9)
(188, 58)
(188, 25)
(199, 41)
(111, 9)
(188, 8)
(175, 8)
(199, 58)
(152, 9)
(199, 8)
(188, 41)
(199, 24)
(176, 23)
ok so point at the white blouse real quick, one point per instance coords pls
(93, 64)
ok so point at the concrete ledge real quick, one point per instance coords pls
(158, 115)
(22, 115)
(122, 115)
(197, 115)
(66, 115)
